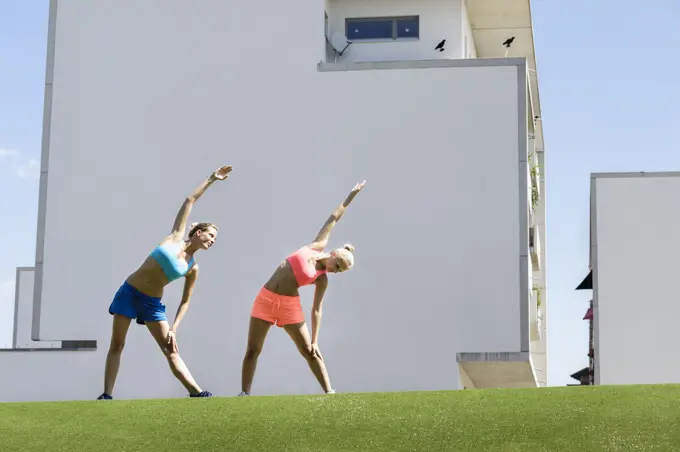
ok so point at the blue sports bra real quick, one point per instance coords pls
(166, 256)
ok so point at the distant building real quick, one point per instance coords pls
(634, 252)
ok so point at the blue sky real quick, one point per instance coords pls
(610, 92)
(23, 41)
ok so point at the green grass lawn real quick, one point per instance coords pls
(628, 418)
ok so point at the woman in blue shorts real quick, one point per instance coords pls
(140, 295)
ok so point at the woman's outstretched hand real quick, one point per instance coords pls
(222, 172)
(357, 188)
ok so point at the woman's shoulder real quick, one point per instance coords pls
(170, 240)
(313, 247)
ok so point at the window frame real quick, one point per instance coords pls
(395, 28)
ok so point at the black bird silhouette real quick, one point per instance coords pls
(440, 46)
(508, 42)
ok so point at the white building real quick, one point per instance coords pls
(635, 245)
(144, 98)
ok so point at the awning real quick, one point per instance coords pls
(587, 282)
(589, 314)
(581, 373)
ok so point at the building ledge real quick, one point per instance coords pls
(420, 64)
(63, 346)
(497, 370)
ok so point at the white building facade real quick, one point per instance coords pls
(144, 99)
(634, 253)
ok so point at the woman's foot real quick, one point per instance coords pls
(243, 393)
(202, 394)
(104, 396)
(331, 391)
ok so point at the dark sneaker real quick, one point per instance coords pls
(104, 396)
(201, 394)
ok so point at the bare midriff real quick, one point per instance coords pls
(282, 281)
(149, 278)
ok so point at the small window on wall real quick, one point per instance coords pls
(382, 28)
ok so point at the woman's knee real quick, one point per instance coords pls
(117, 345)
(252, 352)
(307, 353)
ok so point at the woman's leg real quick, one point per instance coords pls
(118, 335)
(159, 331)
(257, 332)
(300, 335)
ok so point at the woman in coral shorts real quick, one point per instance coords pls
(278, 302)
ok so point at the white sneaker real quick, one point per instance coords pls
(243, 393)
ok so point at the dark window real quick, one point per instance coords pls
(369, 29)
(407, 28)
(78, 344)
(384, 28)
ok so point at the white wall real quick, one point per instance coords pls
(469, 49)
(47, 375)
(636, 285)
(7, 293)
(139, 120)
(24, 312)
(439, 19)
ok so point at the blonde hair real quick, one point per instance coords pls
(195, 227)
(346, 253)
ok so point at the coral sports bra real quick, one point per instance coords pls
(303, 267)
